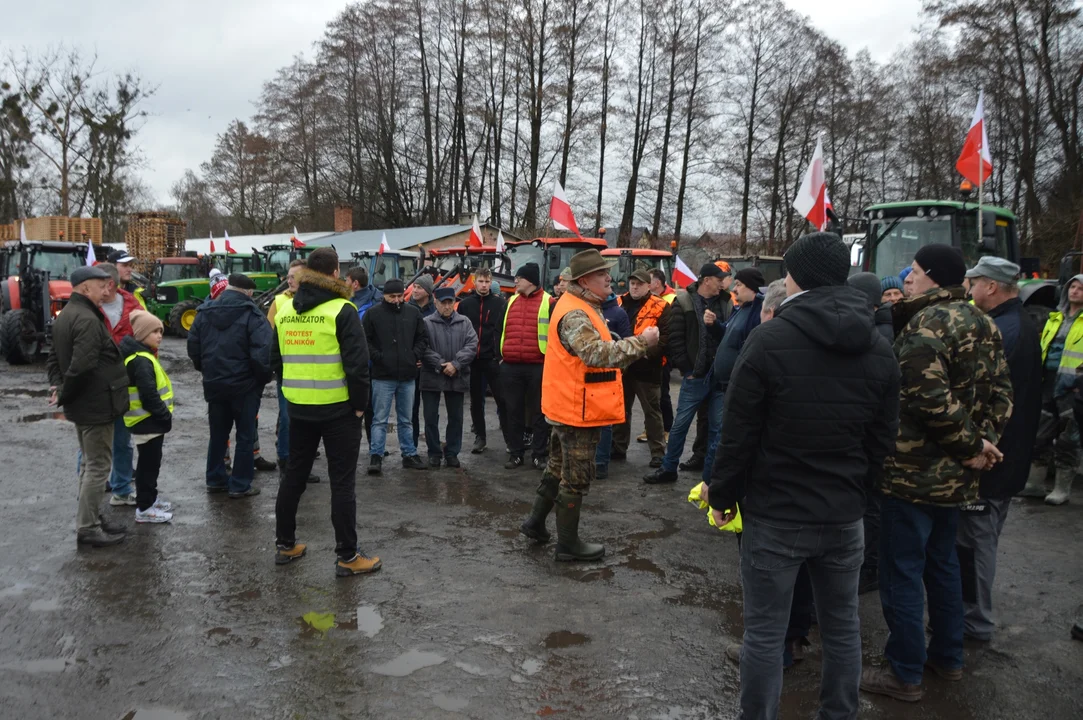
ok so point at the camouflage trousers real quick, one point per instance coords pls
(571, 466)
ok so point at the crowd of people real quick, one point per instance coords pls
(867, 433)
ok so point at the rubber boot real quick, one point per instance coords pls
(534, 526)
(569, 546)
(1063, 487)
(1035, 487)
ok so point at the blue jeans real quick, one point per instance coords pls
(120, 480)
(772, 553)
(222, 415)
(694, 392)
(918, 557)
(282, 445)
(605, 447)
(383, 392)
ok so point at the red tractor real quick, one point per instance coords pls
(35, 289)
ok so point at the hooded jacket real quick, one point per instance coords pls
(692, 344)
(141, 376)
(810, 415)
(230, 343)
(486, 316)
(314, 289)
(365, 298)
(451, 340)
(397, 340)
(85, 365)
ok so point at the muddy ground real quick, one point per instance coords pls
(466, 619)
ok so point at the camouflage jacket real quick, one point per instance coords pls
(578, 335)
(956, 391)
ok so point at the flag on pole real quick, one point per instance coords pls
(560, 212)
(212, 243)
(90, 257)
(475, 235)
(22, 232)
(229, 248)
(296, 241)
(811, 199)
(500, 246)
(682, 274)
(384, 247)
(975, 163)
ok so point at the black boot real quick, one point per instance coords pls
(376, 464)
(534, 526)
(569, 546)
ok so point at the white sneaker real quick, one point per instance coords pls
(162, 504)
(153, 515)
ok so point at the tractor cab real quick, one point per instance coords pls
(383, 267)
(551, 254)
(771, 266)
(456, 267)
(277, 258)
(631, 259)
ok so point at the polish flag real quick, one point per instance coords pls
(560, 212)
(500, 247)
(296, 241)
(384, 247)
(682, 274)
(811, 199)
(22, 232)
(475, 235)
(229, 248)
(975, 163)
(90, 258)
(212, 243)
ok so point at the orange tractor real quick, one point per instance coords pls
(35, 288)
(454, 267)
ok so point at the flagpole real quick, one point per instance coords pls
(981, 184)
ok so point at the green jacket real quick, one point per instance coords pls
(956, 391)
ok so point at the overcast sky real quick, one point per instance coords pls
(210, 58)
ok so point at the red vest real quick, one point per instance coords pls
(124, 328)
(521, 330)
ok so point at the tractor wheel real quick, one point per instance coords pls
(20, 338)
(182, 316)
(1039, 314)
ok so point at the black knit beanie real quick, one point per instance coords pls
(817, 260)
(751, 278)
(942, 263)
(531, 273)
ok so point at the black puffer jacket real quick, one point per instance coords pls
(486, 315)
(811, 413)
(85, 365)
(230, 343)
(141, 376)
(691, 347)
(314, 290)
(397, 340)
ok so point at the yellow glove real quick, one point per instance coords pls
(695, 496)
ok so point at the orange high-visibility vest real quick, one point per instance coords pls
(573, 393)
(649, 313)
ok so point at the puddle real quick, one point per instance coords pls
(320, 622)
(733, 610)
(16, 589)
(281, 662)
(591, 575)
(564, 639)
(409, 662)
(51, 665)
(25, 500)
(39, 417)
(448, 703)
(218, 631)
(369, 621)
(246, 595)
(668, 528)
(23, 393)
(45, 605)
(155, 714)
(472, 669)
(635, 562)
(532, 666)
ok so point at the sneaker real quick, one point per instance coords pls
(213, 489)
(263, 465)
(434, 461)
(162, 504)
(313, 479)
(285, 555)
(733, 653)
(882, 681)
(250, 492)
(945, 673)
(452, 461)
(601, 472)
(98, 538)
(413, 462)
(358, 565)
(122, 500)
(514, 463)
(376, 464)
(1077, 630)
(642, 437)
(479, 446)
(539, 462)
(153, 514)
(660, 476)
(694, 464)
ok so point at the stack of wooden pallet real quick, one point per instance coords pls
(153, 235)
(83, 229)
(50, 227)
(9, 231)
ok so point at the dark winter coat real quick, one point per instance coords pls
(141, 376)
(452, 340)
(884, 323)
(486, 316)
(429, 309)
(315, 289)
(86, 366)
(365, 298)
(397, 340)
(692, 344)
(811, 413)
(742, 322)
(230, 343)
(1024, 353)
(649, 369)
(616, 318)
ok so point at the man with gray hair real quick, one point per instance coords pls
(773, 298)
(995, 289)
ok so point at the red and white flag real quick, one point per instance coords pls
(475, 235)
(229, 248)
(560, 212)
(975, 163)
(500, 246)
(811, 199)
(296, 241)
(90, 258)
(682, 274)
(22, 232)
(212, 243)
(384, 247)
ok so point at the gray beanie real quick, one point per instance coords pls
(425, 282)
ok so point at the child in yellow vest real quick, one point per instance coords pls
(150, 413)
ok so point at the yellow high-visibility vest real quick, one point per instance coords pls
(543, 322)
(312, 372)
(669, 298)
(1072, 356)
(136, 414)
